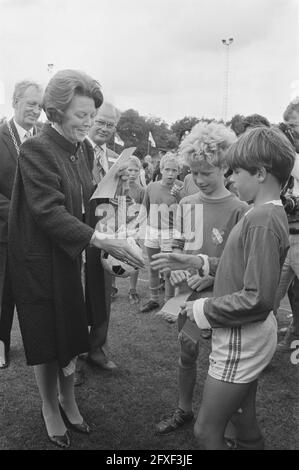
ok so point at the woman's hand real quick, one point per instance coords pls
(175, 261)
(119, 248)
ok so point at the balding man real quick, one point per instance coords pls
(27, 104)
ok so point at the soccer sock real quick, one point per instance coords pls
(154, 282)
(154, 293)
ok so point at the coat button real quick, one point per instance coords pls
(73, 158)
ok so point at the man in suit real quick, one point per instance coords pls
(100, 134)
(27, 104)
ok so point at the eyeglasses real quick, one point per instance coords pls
(109, 125)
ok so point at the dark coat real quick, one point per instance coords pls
(46, 240)
(98, 280)
(8, 164)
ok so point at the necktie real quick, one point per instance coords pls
(98, 168)
(26, 136)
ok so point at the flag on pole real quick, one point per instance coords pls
(118, 140)
(151, 140)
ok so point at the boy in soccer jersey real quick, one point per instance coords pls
(204, 221)
(247, 276)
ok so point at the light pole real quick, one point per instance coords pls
(226, 43)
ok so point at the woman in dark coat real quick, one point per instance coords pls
(47, 239)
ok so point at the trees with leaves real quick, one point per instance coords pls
(134, 130)
(180, 127)
(237, 124)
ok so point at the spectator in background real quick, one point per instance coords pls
(160, 201)
(239, 123)
(99, 135)
(27, 104)
(148, 168)
(290, 271)
(157, 171)
(135, 196)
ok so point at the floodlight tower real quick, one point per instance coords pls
(226, 43)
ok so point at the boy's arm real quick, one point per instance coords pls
(261, 278)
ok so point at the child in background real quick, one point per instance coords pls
(136, 194)
(160, 202)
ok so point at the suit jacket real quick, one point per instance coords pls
(8, 164)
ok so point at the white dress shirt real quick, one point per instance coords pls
(23, 134)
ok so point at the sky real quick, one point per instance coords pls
(163, 58)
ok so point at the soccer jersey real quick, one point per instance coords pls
(248, 272)
(161, 205)
(136, 192)
(204, 224)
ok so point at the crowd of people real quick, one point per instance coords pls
(220, 214)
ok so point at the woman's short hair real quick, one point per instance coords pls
(62, 88)
(168, 157)
(263, 147)
(133, 160)
(207, 142)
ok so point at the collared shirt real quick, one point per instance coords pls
(104, 161)
(21, 131)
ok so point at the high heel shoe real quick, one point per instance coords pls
(60, 441)
(83, 428)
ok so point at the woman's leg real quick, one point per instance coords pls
(220, 401)
(46, 377)
(67, 398)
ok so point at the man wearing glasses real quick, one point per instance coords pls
(99, 135)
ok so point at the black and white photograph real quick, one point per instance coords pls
(149, 227)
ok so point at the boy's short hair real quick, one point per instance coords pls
(168, 157)
(262, 147)
(207, 142)
(133, 160)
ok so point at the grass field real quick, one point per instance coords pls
(124, 406)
